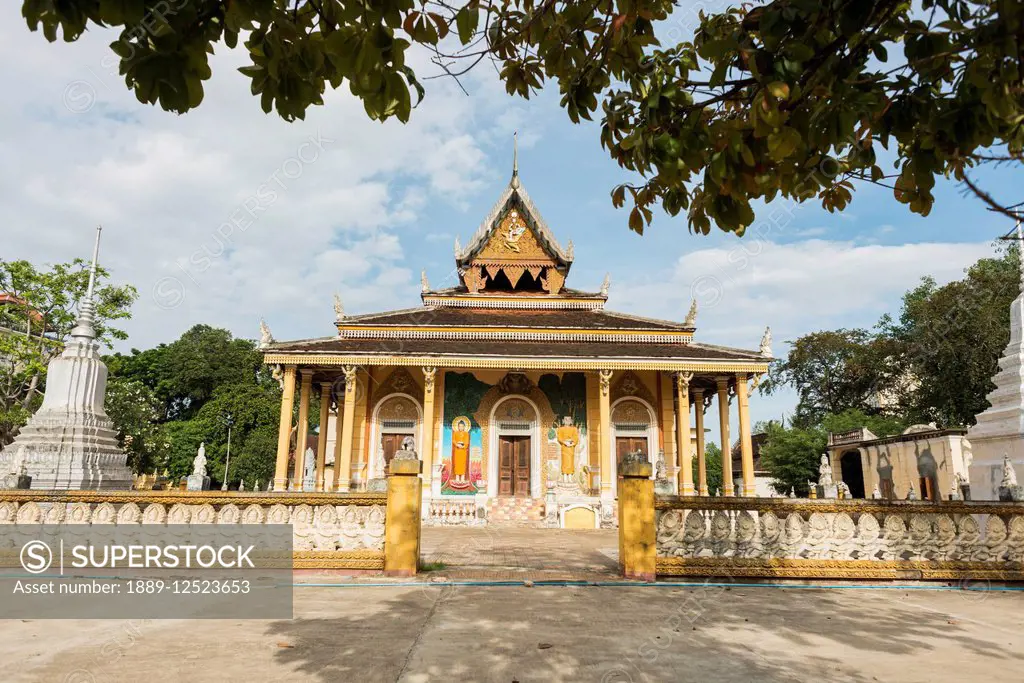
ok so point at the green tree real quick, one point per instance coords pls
(136, 413)
(38, 308)
(713, 463)
(185, 373)
(951, 338)
(774, 98)
(254, 411)
(848, 420)
(792, 456)
(833, 371)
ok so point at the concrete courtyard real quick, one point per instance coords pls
(418, 632)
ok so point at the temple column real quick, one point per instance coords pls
(338, 422)
(746, 446)
(604, 402)
(345, 465)
(723, 427)
(284, 429)
(302, 428)
(321, 444)
(427, 447)
(702, 466)
(683, 417)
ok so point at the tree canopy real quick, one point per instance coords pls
(800, 99)
(184, 393)
(38, 308)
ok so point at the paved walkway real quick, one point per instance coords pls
(521, 554)
(416, 634)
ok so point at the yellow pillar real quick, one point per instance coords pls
(302, 428)
(604, 401)
(339, 403)
(427, 447)
(683, 418)
(344, 467)
(723, 427)
(402, 519)
(702, 466)
(746, 447)
(637, 540)
(321, 444)
(284, 429)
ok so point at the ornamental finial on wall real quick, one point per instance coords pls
(606, 284)
(458, 247)
(766, 342)
(266, 338)
(424, 283)
(339, 308)
(691, 316)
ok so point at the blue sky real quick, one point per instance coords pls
(360, 207)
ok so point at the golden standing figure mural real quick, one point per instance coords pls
(568, 437)
(460, 450)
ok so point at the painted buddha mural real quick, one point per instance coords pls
(568, 437)
(460, 450)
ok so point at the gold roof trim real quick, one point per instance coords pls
(511, 363)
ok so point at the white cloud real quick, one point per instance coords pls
(227, 213)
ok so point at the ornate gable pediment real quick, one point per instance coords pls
(513, 240)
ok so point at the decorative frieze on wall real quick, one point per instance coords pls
(329, 531)
(908, 541)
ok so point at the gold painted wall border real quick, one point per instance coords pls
(728, 567)
(512, 363)
(194, 497)
(338, 559)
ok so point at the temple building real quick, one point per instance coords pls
(521, 394)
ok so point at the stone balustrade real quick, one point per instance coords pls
(452, 513)
(330, 530)
(778, 537)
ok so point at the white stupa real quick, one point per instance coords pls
(1000, 428)
(70, 442)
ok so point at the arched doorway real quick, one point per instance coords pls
(633, 429)
(514, 467)
(395, 417)
(928, 476)
(852, 469)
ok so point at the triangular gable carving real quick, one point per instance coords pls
(513, 241)
(514, 198)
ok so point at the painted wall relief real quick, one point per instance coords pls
(462, 442)
(568, 398)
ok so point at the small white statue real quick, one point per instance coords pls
(766, 342)
(241, 485)
(1009, 475)
(257, 486)
(876, 493)
(266, 338)
(339, 308)
(824, 472)
(199, 462)
(911, 493)
(792, 492)
(691, 316)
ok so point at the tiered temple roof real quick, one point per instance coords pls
(511, 309)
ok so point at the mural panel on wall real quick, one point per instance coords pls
(462, 442)
(568, 398)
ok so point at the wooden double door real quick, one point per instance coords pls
(630, 444)
(391, 444)
(514, 466)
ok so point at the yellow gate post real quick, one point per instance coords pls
(637, 542)
(402, 521)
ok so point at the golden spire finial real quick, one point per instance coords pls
(515, 159)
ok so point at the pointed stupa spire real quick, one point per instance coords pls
(84, 326)
(515, 159)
